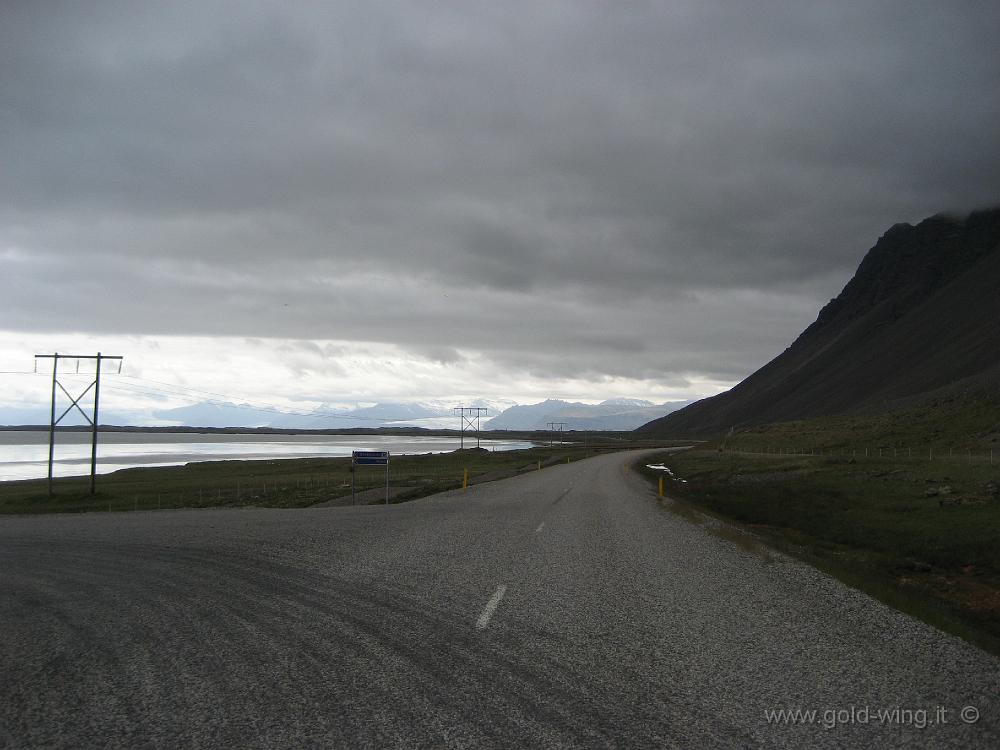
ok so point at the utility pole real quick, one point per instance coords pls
(470, 420)
(92, 419)
(555, 427)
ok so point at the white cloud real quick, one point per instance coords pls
(168, 371)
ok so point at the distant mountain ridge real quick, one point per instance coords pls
(614, 414)
(920, 313)
(326, 417)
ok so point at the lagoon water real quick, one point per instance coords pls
(25, 454)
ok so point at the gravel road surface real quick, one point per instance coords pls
(563, 608)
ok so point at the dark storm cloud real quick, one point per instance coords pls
(644, 188)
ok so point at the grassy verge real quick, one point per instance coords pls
(284, 483)
(953, 427)
(920, 535)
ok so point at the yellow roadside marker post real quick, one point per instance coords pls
(661, 486)
(465, 479)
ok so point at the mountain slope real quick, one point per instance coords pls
(920, 313)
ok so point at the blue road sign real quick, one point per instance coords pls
(370, 458)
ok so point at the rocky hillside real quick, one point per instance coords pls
(922, 313)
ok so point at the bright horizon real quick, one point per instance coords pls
(171, 372)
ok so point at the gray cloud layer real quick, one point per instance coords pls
(645, 189)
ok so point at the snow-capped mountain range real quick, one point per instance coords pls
(614, 414)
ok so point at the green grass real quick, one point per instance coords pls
(870, 521)
(284, 483)
(955, 427)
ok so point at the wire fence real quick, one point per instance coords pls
(221, 484)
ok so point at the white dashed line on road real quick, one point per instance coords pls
(540, 527)
(490, 608)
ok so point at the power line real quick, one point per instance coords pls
(162, 388)
(177, 387)
(171, 389)
(258, 406)
(180, 390)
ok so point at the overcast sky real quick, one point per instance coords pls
(361, 201)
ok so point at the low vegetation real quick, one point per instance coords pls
(951, 426)
(287, 483)
(920, 534)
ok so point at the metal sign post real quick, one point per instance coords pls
(75, 402)
(370, 458)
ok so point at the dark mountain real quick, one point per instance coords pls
(921, 313)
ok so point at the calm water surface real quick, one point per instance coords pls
(24, 455)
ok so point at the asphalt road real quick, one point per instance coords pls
(567, 607)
